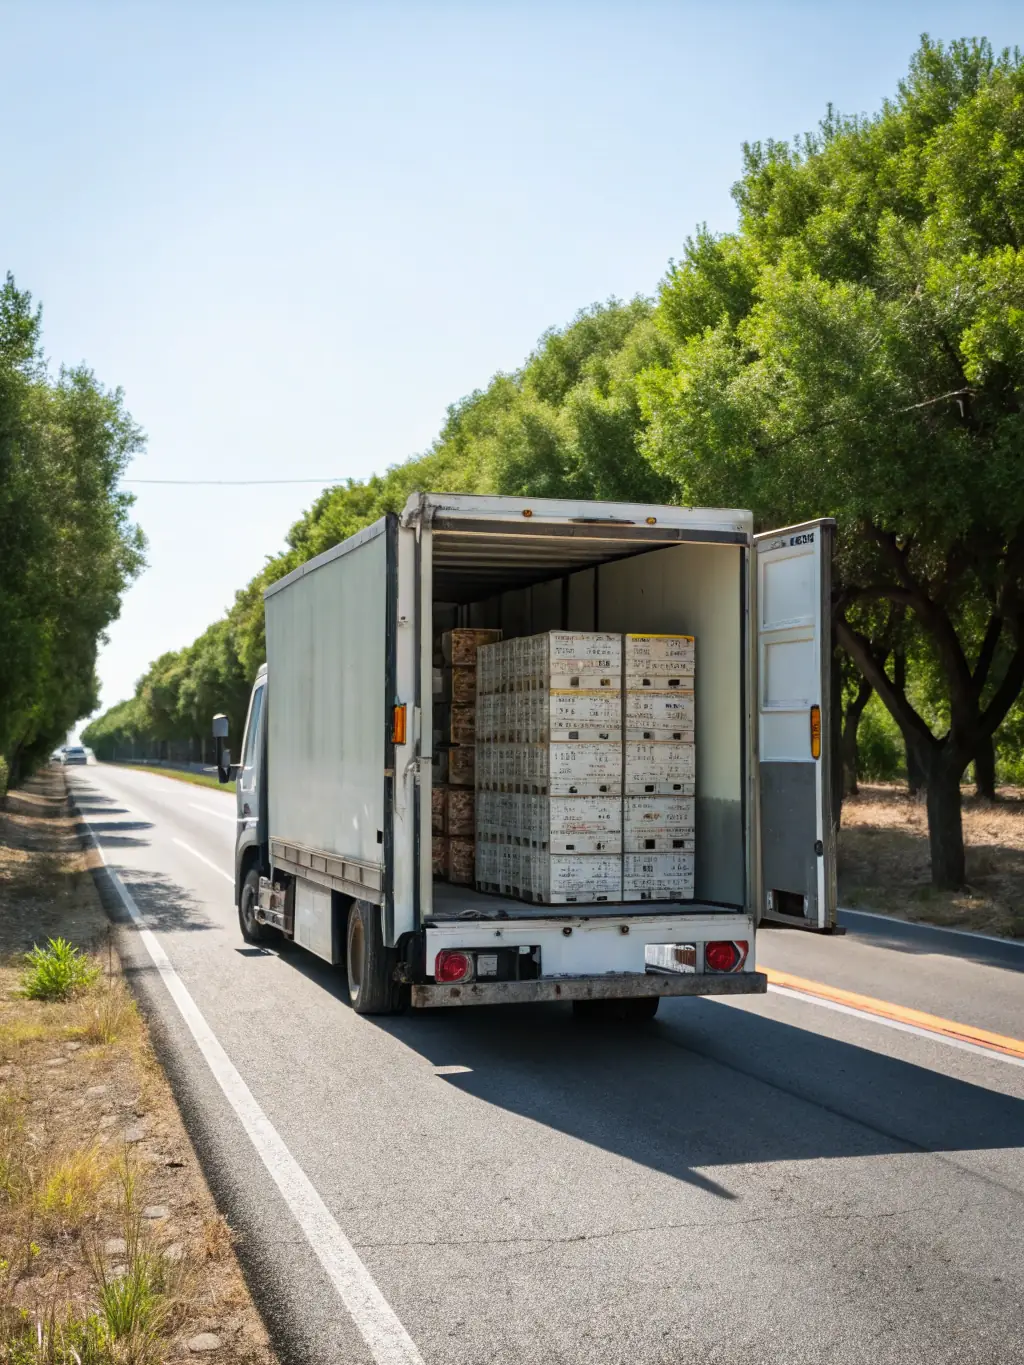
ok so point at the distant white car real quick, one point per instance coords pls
(73, 753)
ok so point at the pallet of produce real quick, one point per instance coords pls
(459, 647)
(568, 879)
(658, 662)
(460, 817)
(658, 824)
(462, 765)
(462, 724)
(569, 824)
(659, 768)
(659, 715)
(487, 858)
(458, 685)
(461, 861)
(657, 876)
(574, 714)
(558, 659)
(589, 660)
(579, 769)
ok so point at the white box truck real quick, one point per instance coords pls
(334, 783)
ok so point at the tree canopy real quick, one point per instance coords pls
(857, 348)
(68, 548)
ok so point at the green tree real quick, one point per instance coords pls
(68, 548)
(857, 349)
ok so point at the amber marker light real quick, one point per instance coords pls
(398, 724)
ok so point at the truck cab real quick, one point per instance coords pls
(250, 776)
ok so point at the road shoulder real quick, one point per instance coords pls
(107, 1196)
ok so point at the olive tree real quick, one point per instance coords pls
(856, 349)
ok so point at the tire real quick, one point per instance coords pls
(252, 930)
(635, 1010)
(371, 989)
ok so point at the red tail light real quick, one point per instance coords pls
(452, 966)
(725, 956)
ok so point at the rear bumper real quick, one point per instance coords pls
(617, 986)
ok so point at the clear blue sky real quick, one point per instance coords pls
(295, 232)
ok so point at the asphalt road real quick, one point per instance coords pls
(767, 1180)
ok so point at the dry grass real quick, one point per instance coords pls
(111, 1248)
(108, 1015)
(884, 864)
(66, 1190)
(217, 1238)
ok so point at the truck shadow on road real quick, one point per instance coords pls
(708, 1085)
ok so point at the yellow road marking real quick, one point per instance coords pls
(997, 1042)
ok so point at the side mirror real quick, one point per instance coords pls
(220, 734)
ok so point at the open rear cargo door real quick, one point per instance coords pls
(794, 651)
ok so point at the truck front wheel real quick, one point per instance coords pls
(370, 985)
(252, 930)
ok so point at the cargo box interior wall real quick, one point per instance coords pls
(695, 588)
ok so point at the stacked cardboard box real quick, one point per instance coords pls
(659, 766)
(454, 747)
(586, 767)
(549, 767)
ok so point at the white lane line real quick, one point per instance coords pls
(203, 859)
(900, 1027)
(378, 1324)
(217, 814)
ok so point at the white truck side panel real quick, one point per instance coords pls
(326, 650)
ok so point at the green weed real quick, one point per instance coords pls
(56, 972)
(68, 1193)
(132, 1305)
(55, 1339)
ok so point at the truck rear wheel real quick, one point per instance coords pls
(370, 986)
(634, 1010)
